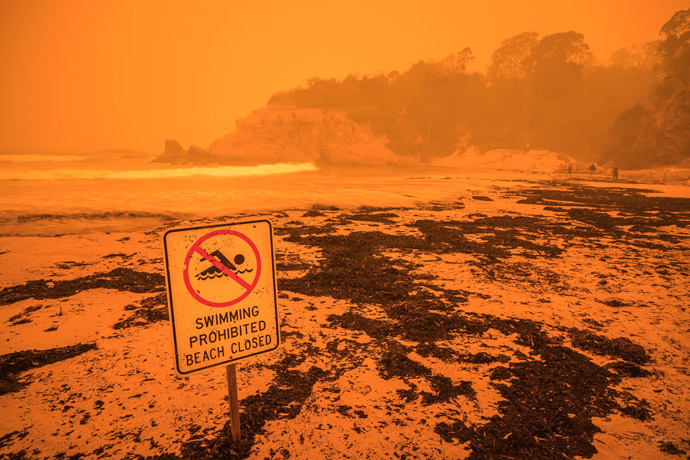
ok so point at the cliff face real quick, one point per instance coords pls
(284, 134)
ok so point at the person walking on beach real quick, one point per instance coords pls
(570, 169)
(614, 172)
(592, 169)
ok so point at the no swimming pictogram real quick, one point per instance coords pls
(222, 295)
(222, 268)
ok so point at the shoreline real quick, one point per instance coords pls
(343, 188)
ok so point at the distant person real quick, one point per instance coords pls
(592, 169)
(569, 170)
(614, 172)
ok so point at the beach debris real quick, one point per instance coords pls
(12, 365)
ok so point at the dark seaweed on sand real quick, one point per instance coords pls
(150, 310)
(13, 364)
(122, 279)
(549, 404)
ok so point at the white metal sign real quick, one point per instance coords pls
(221, 293)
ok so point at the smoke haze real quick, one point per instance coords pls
(82, 76)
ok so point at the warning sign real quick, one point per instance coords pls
(221, 293)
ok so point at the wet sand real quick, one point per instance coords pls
(538, 319)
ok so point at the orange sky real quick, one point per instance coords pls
(82, 75)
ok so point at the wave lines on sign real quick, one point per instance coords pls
(212, 274)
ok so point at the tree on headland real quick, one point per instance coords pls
(508, 61)
(538, 92)
(675, 51)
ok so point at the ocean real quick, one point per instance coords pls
(52, 194)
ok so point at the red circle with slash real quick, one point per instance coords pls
(196, 248)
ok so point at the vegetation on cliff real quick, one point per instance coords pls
(538, 93)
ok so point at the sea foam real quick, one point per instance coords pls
(215, 171)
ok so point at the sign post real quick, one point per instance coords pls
(222, 298)
(234, 403)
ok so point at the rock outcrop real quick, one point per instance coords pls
(174, 153)
(285, 134)
(173, 147)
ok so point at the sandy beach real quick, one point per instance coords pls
(539, 318)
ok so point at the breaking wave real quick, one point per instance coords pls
(37, 217)
(215, 171)
(40, 158)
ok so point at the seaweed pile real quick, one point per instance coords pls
(549, 402)
(13, 364)
(121, 279)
